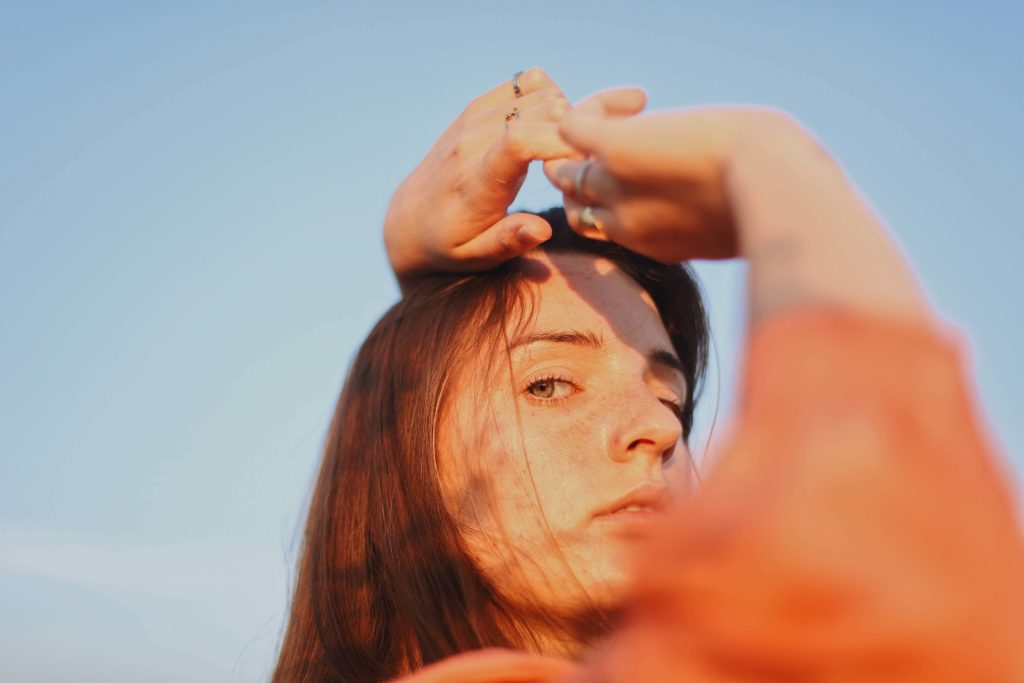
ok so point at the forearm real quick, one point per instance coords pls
(808, 235)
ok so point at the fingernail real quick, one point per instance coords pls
(524, 234)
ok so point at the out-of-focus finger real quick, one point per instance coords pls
(596, 185)
(511, 236)
(615, 102)
(530, 81)
(602, 225)
(520, 143)
(592, 134)
(592, 125)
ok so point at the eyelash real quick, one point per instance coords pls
(549, 379)
(676, 408)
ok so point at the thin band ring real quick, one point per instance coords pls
(581, 176)
(515, 83)
(511, 116)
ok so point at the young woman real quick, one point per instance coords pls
(500, 466)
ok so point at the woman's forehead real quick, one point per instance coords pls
(587, 292)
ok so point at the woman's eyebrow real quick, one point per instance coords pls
(591, 340)
(585, 338)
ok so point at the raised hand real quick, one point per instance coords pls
(656, 183)
(450, 213)
(716, 182)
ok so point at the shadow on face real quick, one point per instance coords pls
(558, 449)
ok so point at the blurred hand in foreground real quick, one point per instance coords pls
(657, 183)
(717, 182)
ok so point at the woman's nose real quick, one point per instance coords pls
(645, 427)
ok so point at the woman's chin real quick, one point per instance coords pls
(608, 588)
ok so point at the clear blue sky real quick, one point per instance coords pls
(190, 202)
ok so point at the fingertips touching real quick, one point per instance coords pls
(530, 81)
(623, 101)
(525, 141)
(547, 104)
(588, 134)
(595, 125)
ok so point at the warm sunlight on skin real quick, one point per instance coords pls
(552, 471)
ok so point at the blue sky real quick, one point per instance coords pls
(190, 206)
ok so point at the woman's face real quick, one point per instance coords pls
(554, 456)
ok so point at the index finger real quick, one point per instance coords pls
(590, 126)
(622, 101)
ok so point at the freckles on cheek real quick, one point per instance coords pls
(569, 435)
(563, 447)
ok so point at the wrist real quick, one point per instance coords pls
(808, 235)
(774, 169)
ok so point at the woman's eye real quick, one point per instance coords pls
(550, 388)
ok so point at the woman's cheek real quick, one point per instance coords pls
(480, 464)
(566, 434)
(564, 448)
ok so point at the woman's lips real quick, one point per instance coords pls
(641, 502)
(631, 523)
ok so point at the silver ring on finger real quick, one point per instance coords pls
(516, 87)
(511, 116)
(588, 219)
(581, 176)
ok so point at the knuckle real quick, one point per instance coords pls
(536, 77)
(452, 153)
(463, 189)
(557, 106)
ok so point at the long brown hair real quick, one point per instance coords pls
(384, 586)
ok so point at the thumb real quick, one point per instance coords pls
(513, 235)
